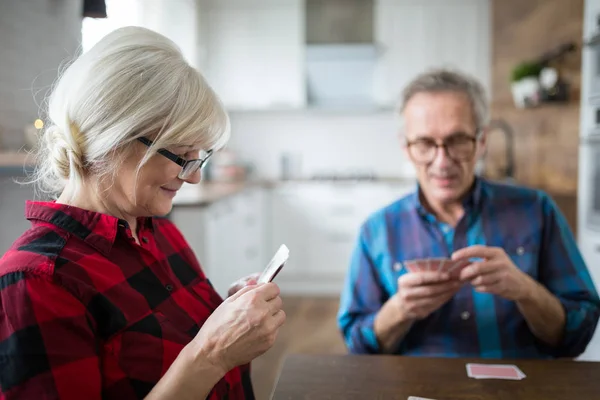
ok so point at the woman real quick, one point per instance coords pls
(99, 299)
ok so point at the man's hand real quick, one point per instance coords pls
(495, 274)
(421, 293)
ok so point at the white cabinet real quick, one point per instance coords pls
(227, 236)
(319, 222)
(417, 35)
(253, 52)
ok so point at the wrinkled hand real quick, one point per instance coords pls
(243, 327)
(495, 274)
(421, 293)
(243, 282)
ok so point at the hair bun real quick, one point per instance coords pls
(64, 151)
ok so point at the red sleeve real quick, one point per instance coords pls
(47, 346)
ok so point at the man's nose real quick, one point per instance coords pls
(441, 158)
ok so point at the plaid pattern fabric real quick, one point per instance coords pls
(86, 313)
(524, 222)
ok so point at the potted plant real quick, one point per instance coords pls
(525, 84)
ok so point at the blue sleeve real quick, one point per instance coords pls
(362, 298)
(564, 273)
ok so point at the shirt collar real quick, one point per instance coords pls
(471, 201)
(96, 229)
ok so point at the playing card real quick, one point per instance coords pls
(494, 371)
(275, 265)
(411, 266)
(423, 265)
(456, 266)
(437, 264)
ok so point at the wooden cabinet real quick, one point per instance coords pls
(252, 52)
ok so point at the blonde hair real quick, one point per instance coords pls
(132, 83)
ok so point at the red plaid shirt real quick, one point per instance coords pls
(86, 313)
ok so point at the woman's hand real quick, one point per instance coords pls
(242, 328)
(243, 282)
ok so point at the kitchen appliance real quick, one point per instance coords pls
(589, 154)
(588, 192)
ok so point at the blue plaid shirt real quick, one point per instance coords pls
(524, 222)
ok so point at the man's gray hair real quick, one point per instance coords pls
(445, 80)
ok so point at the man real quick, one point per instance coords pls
(526, 292)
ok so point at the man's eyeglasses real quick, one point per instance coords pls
(458, 147)
(188, 167)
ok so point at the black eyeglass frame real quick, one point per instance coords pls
(188, 167)
(474, 139)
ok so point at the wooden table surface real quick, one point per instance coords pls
(348, 377)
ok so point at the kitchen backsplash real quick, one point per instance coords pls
(325, 142)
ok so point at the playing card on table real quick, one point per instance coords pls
(494, 371)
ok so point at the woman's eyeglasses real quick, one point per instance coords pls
(458, 147)
(188, 167)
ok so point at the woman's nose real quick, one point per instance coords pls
(193, 178)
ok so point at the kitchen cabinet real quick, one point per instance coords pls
(252, 52)
(320, 222)
(416, 35)
(227, 236)
(589, 245)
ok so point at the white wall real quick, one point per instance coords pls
(36, 36)
(327, 141)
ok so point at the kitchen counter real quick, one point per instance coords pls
(15, 163)
(206, 193)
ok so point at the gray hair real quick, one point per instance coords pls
(445, 80)
(132, 83)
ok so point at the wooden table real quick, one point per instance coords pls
(348, 377)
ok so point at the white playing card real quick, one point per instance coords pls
(275, 265)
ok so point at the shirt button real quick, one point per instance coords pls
(145, 240)
(520, 250)
(397, 266)
(169, 287)
(465, 315)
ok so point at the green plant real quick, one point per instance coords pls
(524, 70)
